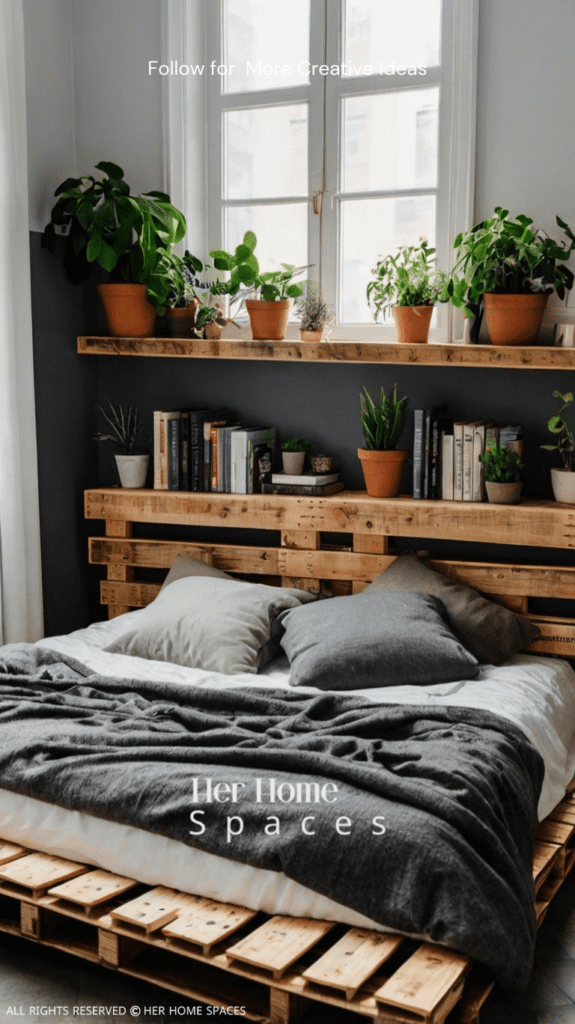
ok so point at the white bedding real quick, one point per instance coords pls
(537, 694)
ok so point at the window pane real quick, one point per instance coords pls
(371, 228)
(266, 41)
(384, 33)
(281, 231)
(266, 152)
(390, 140)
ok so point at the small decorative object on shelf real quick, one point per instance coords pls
(562, 480)
(408, 284)
(507, 268)
(314, 314)
(294, 452)
(127, 236)
(321, 463)
(132, 464)
(503, 470)
(383, 464)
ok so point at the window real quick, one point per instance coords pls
(335, 132)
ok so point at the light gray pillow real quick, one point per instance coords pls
(183, 566)
(371, 640)
(220, 625)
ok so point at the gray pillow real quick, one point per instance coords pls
(369, 640)
(491, 632)
(214, 623)
(183, 566)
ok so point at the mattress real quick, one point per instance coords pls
(537, 694)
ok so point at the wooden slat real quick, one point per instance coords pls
(367, 544)
(352, 960)
(555, 832)
(39, 871)
(10, 851)
(544, 854)
(529, 523)
(520, 357)
(151, 911)
(517, 604)
(279, 943)
(557, 636)
(93, 888)
(128, 595)
(205, 922)
(300, 539)
(427, 984)
(506, 578)
(31, 920)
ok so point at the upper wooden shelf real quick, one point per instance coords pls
(516, 357)
(534, 523)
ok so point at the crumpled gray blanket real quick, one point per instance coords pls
(422, 818)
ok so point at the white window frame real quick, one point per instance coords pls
(192, 34)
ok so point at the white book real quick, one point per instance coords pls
(458, 461)
(468, 429)
(447, 467)
(478, 467)
(305, 479)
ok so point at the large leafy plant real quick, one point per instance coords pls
(507, 255)
(559, 425)
(382, 423)
(409, 278)
(502, 465)
(105, 225)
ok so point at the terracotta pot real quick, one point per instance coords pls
(268, 320)
(128, 312)
(514, 319)
(503, 494)
(213, 331)
(383, 471)
(412, 323)
(563, 483)
(293, 462)
(132, 469)
(181, 321)
(311, 335)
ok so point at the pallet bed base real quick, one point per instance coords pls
(275, 967)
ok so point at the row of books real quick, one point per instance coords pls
(209, 450)
(446, 454)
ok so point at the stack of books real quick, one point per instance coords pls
(446, 454)
(304, 483)
(209, 450)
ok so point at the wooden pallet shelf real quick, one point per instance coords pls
(231, 956)
(494, 356)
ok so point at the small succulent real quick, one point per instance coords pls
(502, 465)
(296, 444)
(124, 426)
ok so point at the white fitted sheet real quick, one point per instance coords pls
(537, 694)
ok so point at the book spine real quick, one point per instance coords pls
(468, 462)
(426, 455)
(458, 461)
(207, 456)
(184, 451)
(478, 467)
(159, 451)
(214, 458)
(174, 454)
(418, 424)
(435, 484)
(447, 467)
(196, 454)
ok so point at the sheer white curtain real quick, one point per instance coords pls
(20, 571)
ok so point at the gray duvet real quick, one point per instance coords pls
(421, 818)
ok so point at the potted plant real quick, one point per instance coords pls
(408, 284)
(382, 462)
(241, 265)
(314, 314)
(182, 301)
(562, 480)
(123, 234)
(294, 452)
(132, 464)
(210, 321)
(269, 311)
(503, 475)
(507, 268)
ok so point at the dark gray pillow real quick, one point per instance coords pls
(491, 632)
(369, 640)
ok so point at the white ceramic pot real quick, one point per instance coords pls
(563, 483)
(293, 462)
(132, 469)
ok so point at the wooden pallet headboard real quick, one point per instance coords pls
(305, 558)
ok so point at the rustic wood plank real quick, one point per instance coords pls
(93, 888)
(350, 512)
(556, 832)
(127, 595)
(286, 1008)
(544, 855)
(368, 544)
(557, 636)
(10, 851)
(300, 539)
(508, 578)
(118, 528)
(205, 922)
(431, 980)
(117, 950)
(352, 960)
(537, 357)
(517, 604)
(31, 920)
(279, 943)
(39, 871)
(152, 910)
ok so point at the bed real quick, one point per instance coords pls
(533, 695)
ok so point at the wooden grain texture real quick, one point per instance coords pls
(352, 960)
(92, 888)
(10, 851)
(39, 871)
(518, 357)
(205, 922)
(530, 523)
(279, 943)
(151, 911)
(428, 984)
